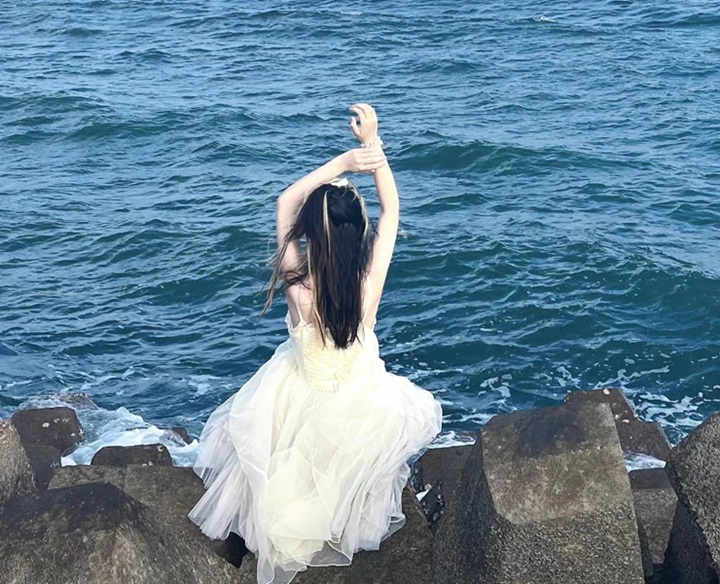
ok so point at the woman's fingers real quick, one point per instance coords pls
(366, 107)
(371, 154)
(366, 159)
(354, 127)
(371, 159)
(374, 167)
(365, 126)
(360, 113)
(368, 111)
(358, 124)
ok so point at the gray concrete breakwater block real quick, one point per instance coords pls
(437, 472)
(96, 534)
(693, 554)
(56, 427)
(403, 558)
(544, 497)
(168, 493)
(636, 436)
(16, 474)
(655, 502)
(142, 454)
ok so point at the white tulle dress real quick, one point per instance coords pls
(308, 460)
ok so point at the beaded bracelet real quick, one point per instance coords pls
(376, 142)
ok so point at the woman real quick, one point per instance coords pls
(308, 460)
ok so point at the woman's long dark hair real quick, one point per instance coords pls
(338, 237)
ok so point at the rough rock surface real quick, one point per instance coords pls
(16, 475)
(437, 471)
(168, 493)
(636, 435)
(403, 558)
(44, 460)
(433, 505)
(693, 554)
(181, 432)
(144, 454)
(96, 534)
(82, 474)
(544, 497)
(655, 502)
(57, 427)
(79, 399)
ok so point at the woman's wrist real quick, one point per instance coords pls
(341, 163)
(375, 141)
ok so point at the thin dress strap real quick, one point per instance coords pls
(299, 308)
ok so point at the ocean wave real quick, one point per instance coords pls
(80, 31)
(504, 159)
(654, 18)
(60, 102)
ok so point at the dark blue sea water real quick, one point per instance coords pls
(558, 163)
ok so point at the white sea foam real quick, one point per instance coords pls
(203, 383)
(123, 428)
(680, 414)
(481, 418)
(15, 384)
(96, 381)
(566, 378)
(499, 384)
(636, 460)
(452, 438)
(622, 376)
(118, 427)
(444, 402)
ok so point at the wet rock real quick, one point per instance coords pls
(693, 554)
(96, 534)
(144, 454)
(655, 502)
(437, 471)
(181, 432)
(171, 493)
(403, 558)
(620, 406)
(544, 497)
(168, 493)
(82, 474)
(44, 460)
(649, 479)
(636, 435)
(16, 475)
(56, 427)
(433, 505)
(644, 438)
(78, 399)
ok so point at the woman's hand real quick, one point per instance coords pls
(364, 159)
(365, 126)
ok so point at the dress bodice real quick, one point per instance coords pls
(326, 367)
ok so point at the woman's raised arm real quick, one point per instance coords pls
(355, 160)
(387, 192)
